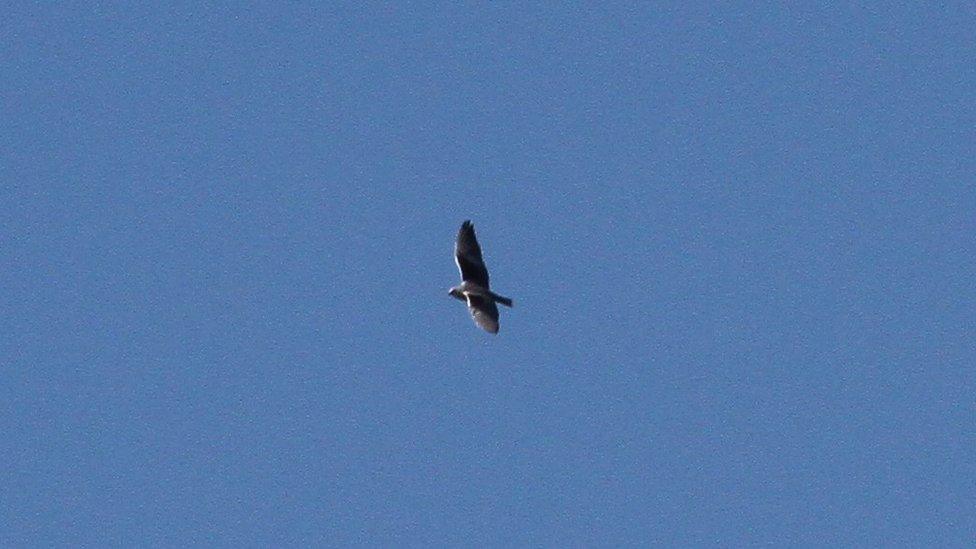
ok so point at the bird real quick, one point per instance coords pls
(474, 288)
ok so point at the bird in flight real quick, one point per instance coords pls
(474, 281)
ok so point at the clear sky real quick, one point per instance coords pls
(740, 242)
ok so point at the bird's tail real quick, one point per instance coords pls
(501, 299)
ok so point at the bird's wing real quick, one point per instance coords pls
(467, 255)
(484, 312)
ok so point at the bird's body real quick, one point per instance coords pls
(474, 287)
(464, 289)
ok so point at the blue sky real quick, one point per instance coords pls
(740, 242)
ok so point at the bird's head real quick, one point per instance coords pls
(456, 293)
